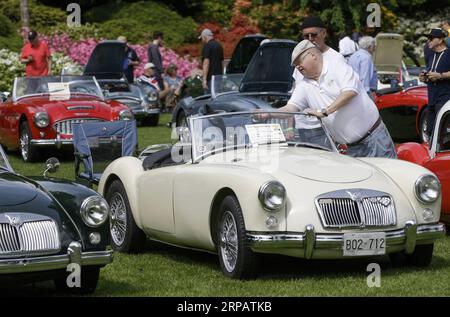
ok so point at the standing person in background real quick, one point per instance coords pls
(131, 60)
(212, 56)
(347, 46)
(362, 64)
(154, 56)
(36, 56)
(174, 83)
(437, 76)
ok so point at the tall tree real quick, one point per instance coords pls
(24, 14)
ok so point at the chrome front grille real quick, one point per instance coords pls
(39, 235)
(34, 237)
(356, 208)
(65, 126)
(130, 103)
(9, 239)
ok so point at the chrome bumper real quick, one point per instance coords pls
(144, 112)
(55, 262)
(52, 142)
(312, 244)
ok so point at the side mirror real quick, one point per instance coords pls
(51, 166)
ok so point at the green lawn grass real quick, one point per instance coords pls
(162, 270)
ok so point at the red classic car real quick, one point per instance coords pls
(436, 157)
(404, 111)
(41, 111)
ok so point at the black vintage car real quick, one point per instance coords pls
(265, 84)
(51, 229)
(105, 63)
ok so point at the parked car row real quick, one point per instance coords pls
(235, 184)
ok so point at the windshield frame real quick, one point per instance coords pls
(214, 79)
(197, 158)
(100, 96)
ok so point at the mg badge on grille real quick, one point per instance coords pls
(355, 196)
(14, 220)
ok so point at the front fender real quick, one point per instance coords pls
(405, 174)
(70, 196)
(127, 169)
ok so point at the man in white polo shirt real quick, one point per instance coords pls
(333, 92)
(313, 29)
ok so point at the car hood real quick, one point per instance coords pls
(106, 61)
(270, 68)
(74, 108)
(15, 191)
(418, 91)
(306, 163)
(388, 55)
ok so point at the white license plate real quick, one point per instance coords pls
(359, 244)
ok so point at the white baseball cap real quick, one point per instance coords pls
(206, 32)
(149, 65)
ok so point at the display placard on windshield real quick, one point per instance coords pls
(265, 133)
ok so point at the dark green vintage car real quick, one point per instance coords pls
(51, 229)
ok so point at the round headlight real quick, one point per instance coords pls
(41, 119)
(152, 96)
(125, 115)
(427, 188)
(272, 195)
(94, 211)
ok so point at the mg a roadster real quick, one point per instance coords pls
(240, 186)
(50, 229)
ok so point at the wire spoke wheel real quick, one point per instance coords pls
(229, 241)
(118, 223)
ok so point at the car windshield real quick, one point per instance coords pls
(4, 163)
(225, 84)
(223, 132)
(56, 87)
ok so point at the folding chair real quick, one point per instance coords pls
(96, 144)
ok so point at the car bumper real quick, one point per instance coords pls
(55, 262)
(309, 244)
(140, 113)
(52, 142)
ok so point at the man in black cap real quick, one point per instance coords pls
(437, 75)
(36, 56)
(314, 29)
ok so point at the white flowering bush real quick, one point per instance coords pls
(10, 68)
(60, 61)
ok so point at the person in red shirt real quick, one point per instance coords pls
(36, 56)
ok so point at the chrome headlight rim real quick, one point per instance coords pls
(265, 201)
(126, 114)
(41, 119)
(419, 185)
(152, 96)
(102, 214)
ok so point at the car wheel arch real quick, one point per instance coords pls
(133, 204)
(215, 211)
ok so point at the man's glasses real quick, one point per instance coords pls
(307, 36)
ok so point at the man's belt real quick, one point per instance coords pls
(375, 125)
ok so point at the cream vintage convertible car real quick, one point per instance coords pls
(239, 187)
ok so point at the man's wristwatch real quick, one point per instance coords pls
(323, 111)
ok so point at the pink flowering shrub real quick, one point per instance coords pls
(80, 51)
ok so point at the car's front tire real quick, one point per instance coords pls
(151, 121)
(421, 257)
(125, 234)
(88, 281)
(28, 152)
(236, 259)
(182, 120)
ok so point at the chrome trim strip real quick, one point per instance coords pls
(52, 142)
(405, 236)
(55, 262)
